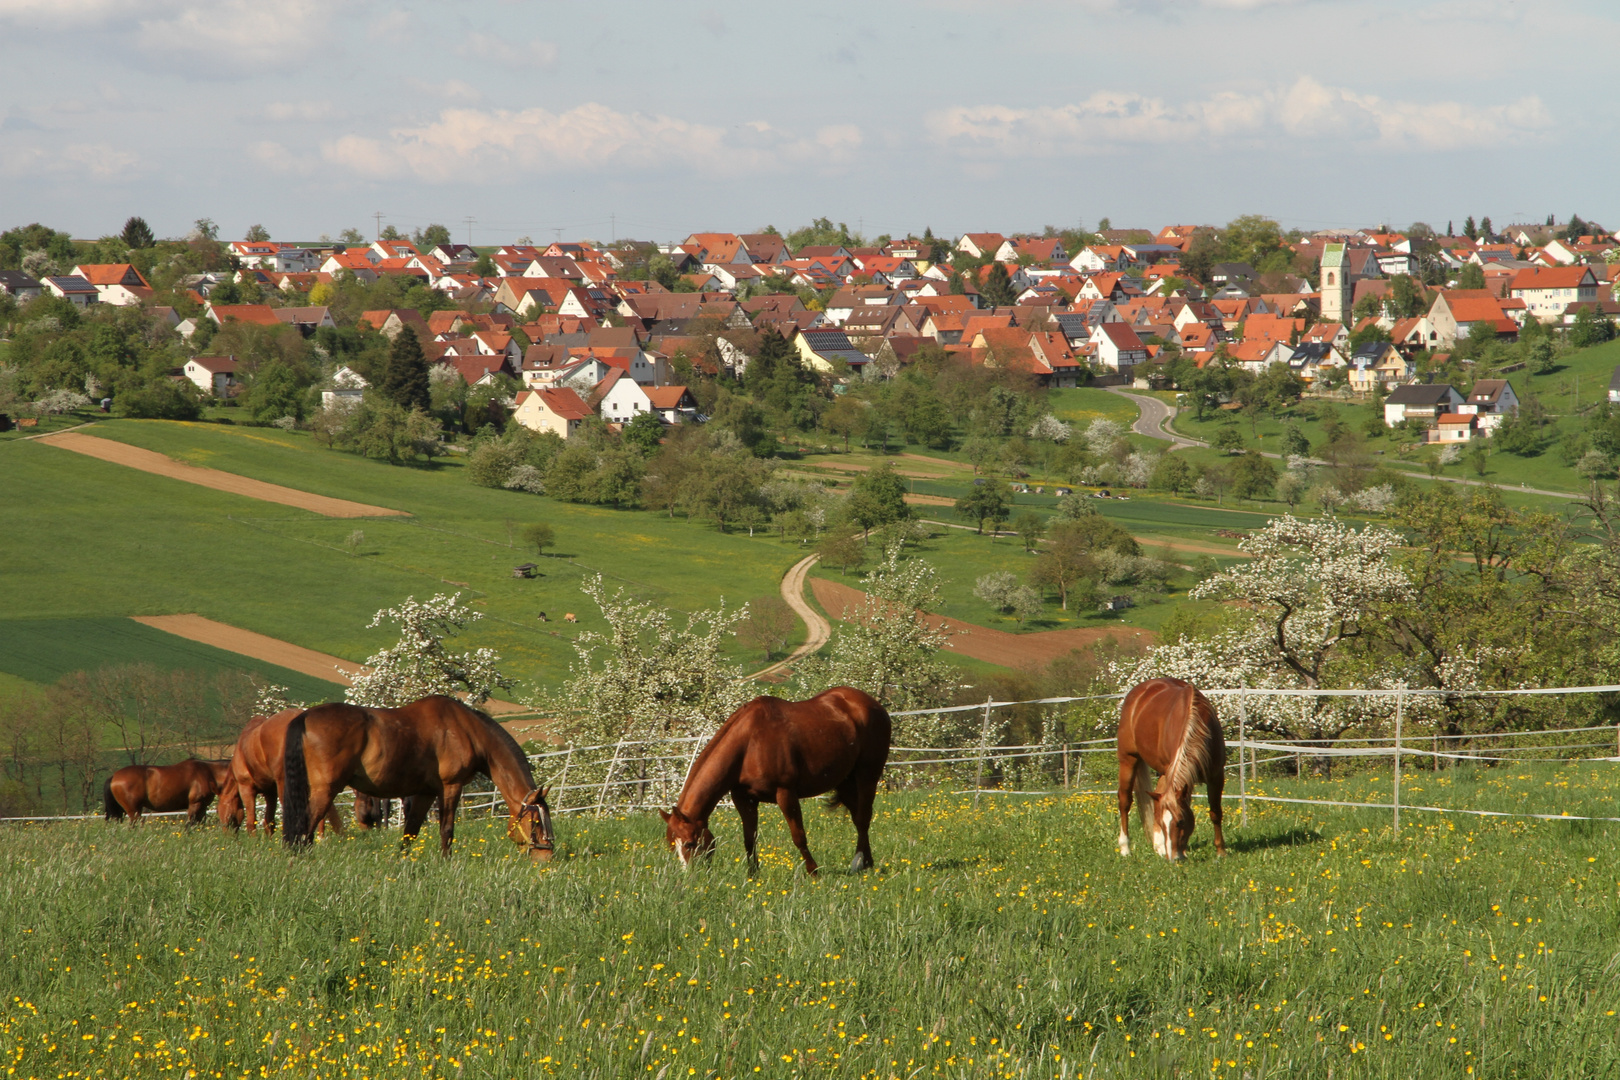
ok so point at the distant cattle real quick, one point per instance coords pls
(570, 617)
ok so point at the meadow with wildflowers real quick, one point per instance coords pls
(998, 940)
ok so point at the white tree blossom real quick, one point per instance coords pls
(888, 648)
(271, 698)
(648, 678)
(1050, 428)
(1374, 500)
(1138, 469)
(526, 478)
(996, 588)
(419, 664)
(1102, 434)
(1309, 594)
(57, 402)
(1452, 454)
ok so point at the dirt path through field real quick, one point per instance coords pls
(271, 650)
(149, 461)
(982, 642)
(819, 629)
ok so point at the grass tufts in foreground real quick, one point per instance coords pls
(1003, 940)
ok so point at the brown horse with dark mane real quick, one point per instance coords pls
(429, 748)
(256, 766)
(1168, 725)
(778, 751)
(190, 786)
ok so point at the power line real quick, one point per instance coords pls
(469, 219)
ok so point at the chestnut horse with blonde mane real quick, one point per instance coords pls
(772, 750)
(256, 766)
(1168, 725)
(430, 747)
(190, 786)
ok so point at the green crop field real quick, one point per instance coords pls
(1003, 939)
(43, 650)
(102, 540)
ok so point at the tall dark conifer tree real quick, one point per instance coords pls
(406, 380)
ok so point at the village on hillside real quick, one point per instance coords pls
(550, 335)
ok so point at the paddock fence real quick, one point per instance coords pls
(1396, 726)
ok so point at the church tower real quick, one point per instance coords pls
(1337, 289)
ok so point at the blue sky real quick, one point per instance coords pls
(653, 120)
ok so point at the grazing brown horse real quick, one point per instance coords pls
(256, 766)
(190, 786)
(1168, 725)
(783, 751)
(427, 750)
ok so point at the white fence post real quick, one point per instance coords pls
(1243, 739)
(601, 799)
(562, 782)
(984, 748)
(1400, 701)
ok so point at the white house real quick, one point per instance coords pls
(73, 289)
(1427, 402)
(1490, 400)
(558, 410)
(620, 399)
(347, 389)
(1118, 347)
(213, 374)
(1547, 292)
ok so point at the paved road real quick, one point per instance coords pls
(1154, 422)
(820, 628)
(1153, 419)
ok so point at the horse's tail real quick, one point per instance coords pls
(110, 805)
(296, 828)
(1144, 796)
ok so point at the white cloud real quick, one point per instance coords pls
(1306, 111)
(535, 53)
(299, 111)
(238, 35)
(97, 160)
(467, 144)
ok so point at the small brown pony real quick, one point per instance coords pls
(1169, 725)
(430, 748)
(784, 751)
(190, 786)
(256, 766)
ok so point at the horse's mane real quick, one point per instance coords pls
(1192, 758)
(503, 737)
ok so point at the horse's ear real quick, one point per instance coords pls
(545, 791)
(665, 815)
(1157, 796)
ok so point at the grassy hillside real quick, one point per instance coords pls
(101, 539)
(1004, 939)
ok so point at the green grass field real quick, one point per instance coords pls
(43, 650)
(102, 540)
(1007, 939)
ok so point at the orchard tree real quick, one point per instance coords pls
(420, 664)
(887, 647)
(649, 677)
(1312, 596)
(986, 500)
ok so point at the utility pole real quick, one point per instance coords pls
(379, 216)
(613, 226)
(469, 219)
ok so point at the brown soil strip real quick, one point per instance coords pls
(275, 651)
(929, 500)
(149, 461)
(981, 642)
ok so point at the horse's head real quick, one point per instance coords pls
(230, 807)
(1172, 820)
(688, 837)
(530, 825)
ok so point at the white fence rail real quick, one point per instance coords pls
(633, 776)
